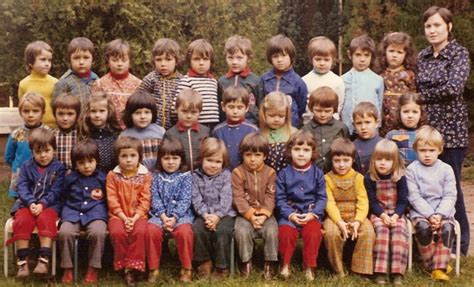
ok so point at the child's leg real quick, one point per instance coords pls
(270, 237)
(223, 237)
(381, 247)
(334, 245)
(424, 239)
(47, 230)
(135, 257)
(244, 235)
(362, 258)
(184, 236)
(96, 233)
(67, 232)
(311, 234)
(399, 246)
(119, 239)
(23, 225)
(287, 236)
(153, 242)
(203, 241)
(442, 247)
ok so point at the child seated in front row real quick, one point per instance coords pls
(235, 104)
(301, 199)
(432, 195)
(253, 186)
(85, 207)
(37, 207)
(347, 210)
(323, 103)
(212, 201)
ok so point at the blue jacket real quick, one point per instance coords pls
(34, 187)
(78, 204)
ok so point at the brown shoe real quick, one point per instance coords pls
(220, 274)
(130, 279)
(42, 267)
(23, 269)
(268, 270)
(204, 270)
(246, 269)
(186, 275)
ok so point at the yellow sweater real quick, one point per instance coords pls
(362, 204)
(44, 86)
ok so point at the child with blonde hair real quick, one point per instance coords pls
(388, 199)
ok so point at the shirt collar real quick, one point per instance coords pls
(316, 124)
(141, 169)
(195, 127)
(192, 73)
(244, 73)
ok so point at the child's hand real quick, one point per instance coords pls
(170, 223)
(386, 220)
(297, 219)
(355, 229)
(307, 217)
(435, 221)
(129, 223)
(260, 219)
(343, 227)
(211, 221)
(254, 220)
(393, 219)
(97, 194)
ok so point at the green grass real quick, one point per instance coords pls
(170, 268)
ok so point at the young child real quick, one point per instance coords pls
(37, 207)
(235, 104)
(128, 199)
(366, 121)
(188, 130)
(432, 202)
(118, 83)
(410, 116)
(84, 207)
(200, 58)
(397, 60)
(140, 116)
(238, 54)
(171, 212)
(275, 124)
(98, 121)
(79, 78)
(38, 57)
(388, 200)
(212, 202)
(17, 149)
(322, 54)
(301, 199)
(347, 210)
(281, 54)
(253, 186)
(360, 82)
(66, 110)
(162, 83)
(323, 103)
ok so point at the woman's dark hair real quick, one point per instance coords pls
(444, 13)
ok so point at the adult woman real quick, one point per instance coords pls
(441, 73)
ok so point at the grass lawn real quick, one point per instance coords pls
(170, 269)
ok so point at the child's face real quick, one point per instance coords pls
(142, 118)
(237, 61)
(212, 165)
(65, 118)
(200, 64)
(128, 159)
(86, 166)
(427, 154)
(322, 115)
(342, 164)
(43, 156)
(81, 61)
(395, 55)
(275, 118)
(253, 160)
(31, 115)
(99, 113)
(170, 163)
(366, 126)
(187, 116)
(383, 165)
(301, 154)
(235, 111)
(322, 64)
(281, 62)
(361, 59)
(42, 64)
(119, 65)
(165, 64)
(410, 114)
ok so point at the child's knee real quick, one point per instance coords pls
(423, 233)
(447, 234)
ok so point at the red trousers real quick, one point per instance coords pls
(311, 234)
(24, 223)
(129, 248)
(184, 236)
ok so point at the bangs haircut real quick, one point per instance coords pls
(139, 100)
(280, 44)
(324, 97)
(126, 143)
(117, 48)
(40, 138)
(166, 46)
(363, 42)
(66, 101)
(190, 99)
(33, 50)
(408, 98)
(275, 101)
(232, 94)
(84, 122)
(365, 109)
(171, 146)
(237, 43)
(301, 137)
(387, 149)
(254, 142)
(430, 136)
(444, 13)
(34, 99)
(343, 147)
(79, 44)
(83, 150)
(211, 147)
(201, 48)
(323, 47)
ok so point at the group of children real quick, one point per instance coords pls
(142, 159)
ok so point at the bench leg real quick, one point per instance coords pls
(76, 258)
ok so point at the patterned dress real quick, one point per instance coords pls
(276, 155)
